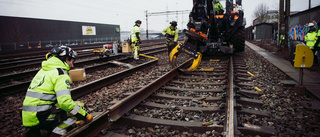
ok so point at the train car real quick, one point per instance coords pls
(18, 32)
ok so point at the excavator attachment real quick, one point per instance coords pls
(175, 52)
(196, 63)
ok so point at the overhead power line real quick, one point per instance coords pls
(164, 13)
(169, 13)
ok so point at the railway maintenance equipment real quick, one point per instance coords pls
(209, 33)
(106, 50)
(301, 56)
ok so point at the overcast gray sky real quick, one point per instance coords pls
(123, 12)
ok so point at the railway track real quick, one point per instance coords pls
(211, 101)
(29, 63)
(89, 65)
(274, 111)
(19, 81)
(7, 56)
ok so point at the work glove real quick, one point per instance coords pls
(167, 35)
(89, 118)
(81, 122)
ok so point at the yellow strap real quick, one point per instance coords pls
(147, 56)
(214, 60)
(250, 74)
(206, 69)
(256, 88)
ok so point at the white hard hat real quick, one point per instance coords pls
(311, 25)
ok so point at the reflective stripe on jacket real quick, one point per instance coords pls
(311, 39)
(51, 85)
(135, 30)
(171, 32)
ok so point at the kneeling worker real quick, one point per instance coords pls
(48, 104)
(171, 32)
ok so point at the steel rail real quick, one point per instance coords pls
(117, 110)
(38, 63)
(39, 59)
(231, 113)
(36, 51)
(98, 84)
(21, 87)
(32, 52)
(14, 76)
(240, 74)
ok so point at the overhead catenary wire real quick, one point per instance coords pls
(123, 12)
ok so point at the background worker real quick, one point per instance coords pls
(171, 32)
(218, 8)
(311, 39)
(48, 100)
(135, 39)
(317, 44)
(115, 46)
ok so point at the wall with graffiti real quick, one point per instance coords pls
(297, 32)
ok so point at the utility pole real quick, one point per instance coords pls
(309, 4)
(147, 25)
(283, 27)
(177, 13)
(167, 21)
(281, 22)
(287, 16)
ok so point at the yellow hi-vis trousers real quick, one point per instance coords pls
(136, 50)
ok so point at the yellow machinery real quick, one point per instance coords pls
(106, 50)
(212, 32)
(173, 57)
(303, 57)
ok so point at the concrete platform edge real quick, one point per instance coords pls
(311, 80)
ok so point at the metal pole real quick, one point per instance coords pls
(281, 21)
(301, 76)
(309, 4)
(147, 25)
(287, 16)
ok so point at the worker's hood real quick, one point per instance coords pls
(54, 63)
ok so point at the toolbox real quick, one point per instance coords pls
(77, 74)
(126, 47)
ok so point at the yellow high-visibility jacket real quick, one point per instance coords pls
(135, 30)
(49, 87)
(311, 39)
(173, 32)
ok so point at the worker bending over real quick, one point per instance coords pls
(48, 104)
(135, 39)
(171, 32)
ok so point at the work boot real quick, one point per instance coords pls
(30, 132)
(136, 57)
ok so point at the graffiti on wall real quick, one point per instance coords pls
(297, 32)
